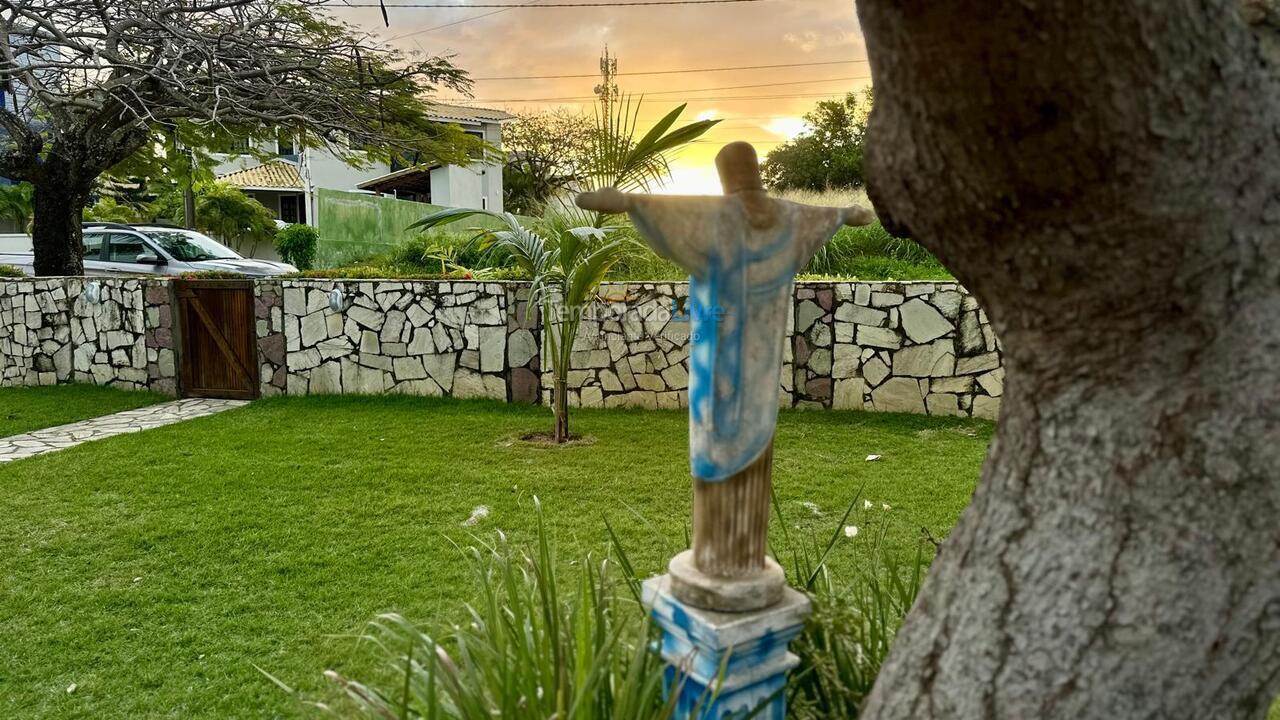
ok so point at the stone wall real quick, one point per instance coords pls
(900, 347)
(160, 336)
(104, 331)
(268, 313)
(524, 352)
(420, 338)
(919, 347)
(35, 332)
(922, 347)
(631, 349)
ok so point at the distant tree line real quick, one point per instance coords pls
(829, 155)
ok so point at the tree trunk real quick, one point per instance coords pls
(58, 200)
(189, 207)
(560, 406)
(1105, 178)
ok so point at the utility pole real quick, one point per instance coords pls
(188, 182)
(608, 87)
(189, 193)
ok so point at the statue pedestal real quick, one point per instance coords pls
(749, 647)
(740, 594)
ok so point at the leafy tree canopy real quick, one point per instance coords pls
(95, 84)
(546, 155)
(829, 155)
(223, 212)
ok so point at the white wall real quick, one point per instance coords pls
(492, 184)
(229, 163)
(476, 186)
(15, 243)
(456, 186)
(328, 171)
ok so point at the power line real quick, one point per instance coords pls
(581, 99)
(517, 6)
(674, 72)
(713, 89)
(458, 22)
(753, 142)
(533, 4)
(760, 85)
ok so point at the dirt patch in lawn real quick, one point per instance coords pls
(546, 440)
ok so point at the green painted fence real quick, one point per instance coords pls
(354, 225)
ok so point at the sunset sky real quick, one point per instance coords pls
(491, 43)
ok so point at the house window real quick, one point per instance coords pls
(400, 162)
(231, 146)
(284, 143)
(292, 209)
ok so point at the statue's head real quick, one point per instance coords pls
(739, 168)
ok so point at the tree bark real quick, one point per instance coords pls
(1105, 178)
(189, 206)
(560, 407)
(58, 199)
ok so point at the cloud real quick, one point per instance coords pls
(569, 41)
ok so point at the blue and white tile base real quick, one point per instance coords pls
(725, 665)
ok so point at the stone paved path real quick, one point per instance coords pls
(51, 439)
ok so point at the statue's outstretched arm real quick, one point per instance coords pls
(608, 200)
(856, 215)
(682, 228)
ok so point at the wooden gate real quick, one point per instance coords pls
(219, 340)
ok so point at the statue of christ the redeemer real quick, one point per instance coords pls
(742, 252)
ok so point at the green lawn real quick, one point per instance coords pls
(26, 409)
(154, 570)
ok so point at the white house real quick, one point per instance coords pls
(288, 183)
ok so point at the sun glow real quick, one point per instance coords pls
(787, 127)
(693, 178)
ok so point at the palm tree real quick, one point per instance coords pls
(617, 159)
(567, 265)
(15, 205)
(567, 262)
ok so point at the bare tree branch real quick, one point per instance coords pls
(93, 81)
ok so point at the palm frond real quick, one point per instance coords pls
(618, 159)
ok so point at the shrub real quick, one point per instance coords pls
(212, 275)
(390, 272)
(864, 253)
(442, 252)
(11, 272)
(854, 619)
(639, 263)
(15, 205)
(296, 245)
(537, 645)
(869, 241)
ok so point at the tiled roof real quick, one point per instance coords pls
(460, 113)
(274, 174)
